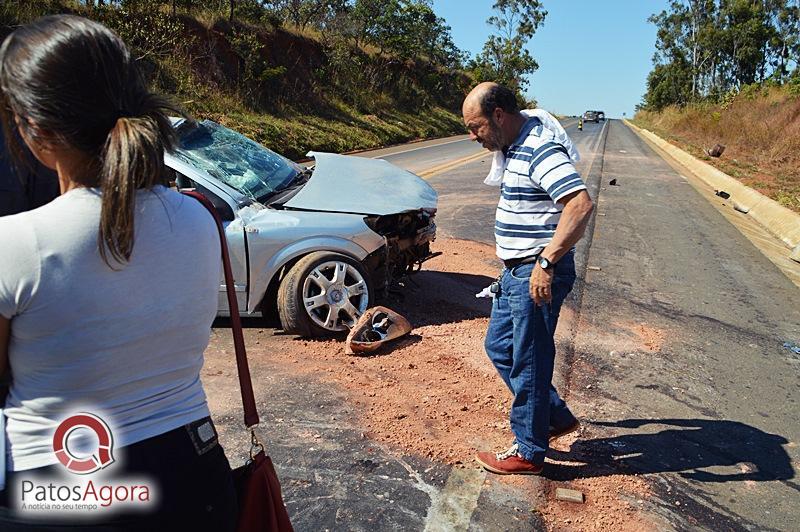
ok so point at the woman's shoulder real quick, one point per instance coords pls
(187, 210)
(185, 205)
(15, 230)
(21, 227)
(20, 263)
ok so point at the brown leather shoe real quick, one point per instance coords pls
(508, 463)
(555, 434)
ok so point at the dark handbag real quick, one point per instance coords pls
(261, 505)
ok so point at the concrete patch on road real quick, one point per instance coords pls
(453, 507)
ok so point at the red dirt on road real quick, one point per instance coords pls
(435, 394)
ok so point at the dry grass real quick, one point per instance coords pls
(760, 130)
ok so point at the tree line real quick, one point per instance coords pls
(711, 49)
(391, 30)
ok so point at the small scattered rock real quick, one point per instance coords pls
(564, 494)
(613, 182)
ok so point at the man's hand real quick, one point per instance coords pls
(541, 282)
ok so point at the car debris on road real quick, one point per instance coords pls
(376, 327)
(793, 347)
(716, 151)
(722, 194)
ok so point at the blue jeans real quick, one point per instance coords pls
(520, 344)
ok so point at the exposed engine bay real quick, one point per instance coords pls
(408, 236)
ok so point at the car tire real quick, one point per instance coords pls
(305, 305)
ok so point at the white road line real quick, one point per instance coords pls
(452, 509)
(421, 148)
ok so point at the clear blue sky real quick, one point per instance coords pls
(592, 54)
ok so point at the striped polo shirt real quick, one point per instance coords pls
(537, 174)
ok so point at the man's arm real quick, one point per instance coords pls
(571, 226)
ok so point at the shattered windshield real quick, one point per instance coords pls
(237, 161)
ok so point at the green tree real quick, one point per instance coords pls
(405, 28)
(504, 57)
(716, 47)
(745, 39)
(150, 33)
(668, 84)
(306, 13)
(686, 37)
(784, 52)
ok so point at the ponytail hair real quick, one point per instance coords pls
(76, 82)
(132, 159)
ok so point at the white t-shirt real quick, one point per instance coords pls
(126, 345)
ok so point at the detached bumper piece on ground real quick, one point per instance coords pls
(376, 327)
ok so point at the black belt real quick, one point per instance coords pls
(513, 263)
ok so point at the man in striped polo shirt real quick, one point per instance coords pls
(542, 213)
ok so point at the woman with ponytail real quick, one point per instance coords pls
(108, 293)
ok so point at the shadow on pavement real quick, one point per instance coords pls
(436, 298)
(426, 298)
(687, 447)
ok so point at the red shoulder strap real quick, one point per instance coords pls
(245, 383)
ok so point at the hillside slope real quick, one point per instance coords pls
(293, 92)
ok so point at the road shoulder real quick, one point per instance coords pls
(774, 232)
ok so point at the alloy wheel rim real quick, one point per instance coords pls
(335, 295)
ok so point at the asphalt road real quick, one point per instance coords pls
(674, 358)
(707, 411)
(334, 478)
(710, 414)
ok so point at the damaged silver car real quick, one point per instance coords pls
(315, 245)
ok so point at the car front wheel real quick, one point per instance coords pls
(324, 293)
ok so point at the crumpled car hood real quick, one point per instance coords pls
(343, 183)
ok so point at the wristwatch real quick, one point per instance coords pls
(544, 263)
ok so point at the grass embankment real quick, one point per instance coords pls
(291, 90)
(297, 112)
(760, 129)
(294, 133)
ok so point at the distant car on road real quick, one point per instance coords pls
(316, 244)
(601, 115)
(590, 116)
